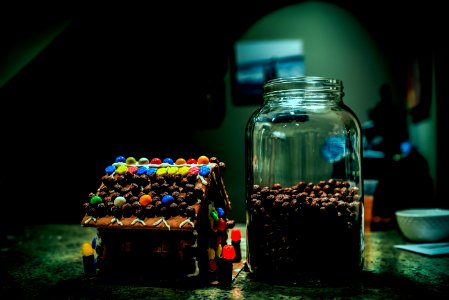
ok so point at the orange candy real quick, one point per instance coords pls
(145, 200)
(203, 160)
(180, 161)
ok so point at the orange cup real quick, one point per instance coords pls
(368, 211)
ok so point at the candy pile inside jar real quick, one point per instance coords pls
(308, 227)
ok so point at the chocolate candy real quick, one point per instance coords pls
(294, 229)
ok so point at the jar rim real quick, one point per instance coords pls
(303, 83)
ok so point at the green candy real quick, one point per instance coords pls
(214, 215)
(131, 161)
(95, 199)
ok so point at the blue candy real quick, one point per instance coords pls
(142, 170)
(151, 171)
(204, 170)
(110, 169)
(167, 199)
(168, 161)
(220, 212)
(120, 159)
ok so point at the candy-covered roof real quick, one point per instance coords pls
(151, 192)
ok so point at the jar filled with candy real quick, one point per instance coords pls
(304, 193)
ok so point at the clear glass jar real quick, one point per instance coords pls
(304, 193)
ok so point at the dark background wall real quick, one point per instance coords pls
(140, 80)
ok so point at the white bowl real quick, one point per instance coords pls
(424, 224)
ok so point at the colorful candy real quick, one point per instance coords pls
(119, 201)
(168, 161)
(131, 161)
(180, 161)
(194, 170)
(144, 161)
(155, 161)
(145, 200)
(142, 170)
(132, 169)
(167, 199)
(95, 199)
(110, 169)
(183, 170)
(204, 170)
(161, 171)
(221, 225)
(151, 171)
(214, 215)
(123, 165)
(172, 170)
(220, 212)
(87, 249)
(203, 160)
(228, 252)
(122, 169)
(120, 159)
(191, 161)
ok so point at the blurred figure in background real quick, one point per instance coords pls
(390, 123)
(403, 175)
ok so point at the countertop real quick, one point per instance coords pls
(45, 262)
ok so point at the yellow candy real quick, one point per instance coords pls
(203, 160)
(211, 253)
(87, 249)
(131, 161)
(180, 161)
(122, 169)
(183, 170)
(161, 171)
(172, 170)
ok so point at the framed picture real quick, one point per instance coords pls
(256, 61)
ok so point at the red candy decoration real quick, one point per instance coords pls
(221, 225)
(194, 170)
(236, 235)
(155, 161)
(191, 161)
(132, 169)
(228, 252)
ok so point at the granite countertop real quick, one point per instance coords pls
(45, 262)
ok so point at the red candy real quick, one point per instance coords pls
(228, 252)
(132, 169)
(236, 235)
(191, 161)
(156, 161)
(194, 170)
(221, 225)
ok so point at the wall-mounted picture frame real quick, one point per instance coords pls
(256, 61)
